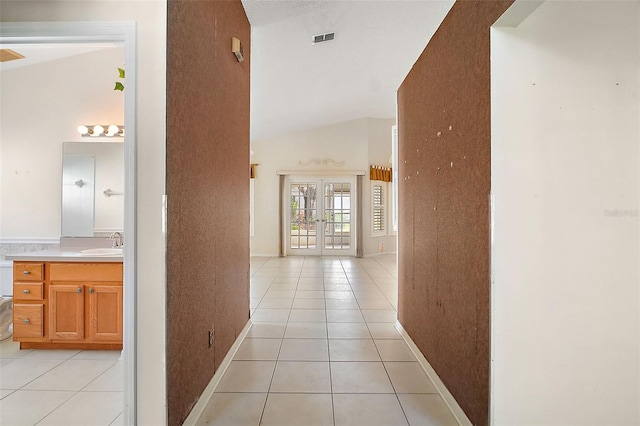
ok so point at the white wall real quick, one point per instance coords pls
(151, 20)
(358, 143)
(565, 157)
(40, 108)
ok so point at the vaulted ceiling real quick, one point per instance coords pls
(297, 85)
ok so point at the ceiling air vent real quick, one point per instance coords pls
(7, 55)
(323, 37)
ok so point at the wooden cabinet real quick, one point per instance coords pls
(68, 305)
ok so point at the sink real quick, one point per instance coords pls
(102, 252)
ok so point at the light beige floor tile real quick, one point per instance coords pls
(5, 361)
(258, 349)
(308, 315)
(409, 377)
(304, 350)
(310, 281)
(247, 376)
(394, 350)
(29, 407)
(370, 410)
(340, 280)
(359, 377)
(337, 287)
(111, 380)
(119, 421)
(22, 371)
(234, 409)
(87, 408)
(340, 295)
(280, 294)
(374, 304)
(71, 375)
(5, 393)
(254, 302)
(287, 285)
(426, 410)
(344, 315)
(273, 303)
(368, 294)
(267, 330)
(353, 350)
(306, 330)
(112, 355)
(11, 349)
(297, 410)
(337, 304)
(311, 287)
(308, 304)
(380, 315)
(301, 377)
(348, 330)
(52, 354)
(309, 294)
(270, 315)
(382, 330)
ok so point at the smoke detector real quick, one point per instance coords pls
(321, 38)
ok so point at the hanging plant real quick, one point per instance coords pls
(119, 85)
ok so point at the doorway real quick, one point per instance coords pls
(117, 33)
(320, 214)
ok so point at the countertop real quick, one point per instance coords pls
(68, 254)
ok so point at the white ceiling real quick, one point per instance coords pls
(296, 85)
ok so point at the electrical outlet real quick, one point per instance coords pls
(211, 337)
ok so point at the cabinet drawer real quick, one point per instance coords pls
(28, 291)
(86, 271)
(28, 321)
(28, 271)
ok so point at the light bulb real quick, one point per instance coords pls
(83, 130)
(97, 130)
(112, 130)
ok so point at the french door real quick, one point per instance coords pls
(319, 218)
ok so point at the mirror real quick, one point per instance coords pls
(92, 188)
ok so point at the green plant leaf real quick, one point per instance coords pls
(121, 72)
(119, 86)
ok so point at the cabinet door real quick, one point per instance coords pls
(105, 313)
(66, 312)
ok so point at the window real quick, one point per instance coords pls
(378, 209)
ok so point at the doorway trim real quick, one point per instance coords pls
(357, 174)
(124, 33)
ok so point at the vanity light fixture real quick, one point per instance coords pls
(99, 130)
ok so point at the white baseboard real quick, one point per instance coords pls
(203, 401)
(460, 416)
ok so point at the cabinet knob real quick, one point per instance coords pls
(91, 291)
(26, 291)
(78, 290)
(26, 272)
(26, 321)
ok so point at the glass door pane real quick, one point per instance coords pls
(303, 215)
(337, 218)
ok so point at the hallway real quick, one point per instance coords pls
(324, 350)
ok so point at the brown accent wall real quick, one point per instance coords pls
(208, 193)
(444, 129)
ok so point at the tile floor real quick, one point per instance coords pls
(324, 350)
(59, 387)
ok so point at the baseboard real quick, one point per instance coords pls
(380, 253)
(460, 416)
(203, 401)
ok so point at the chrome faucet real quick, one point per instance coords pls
(117, 239)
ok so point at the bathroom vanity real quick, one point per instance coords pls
(67, 299)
